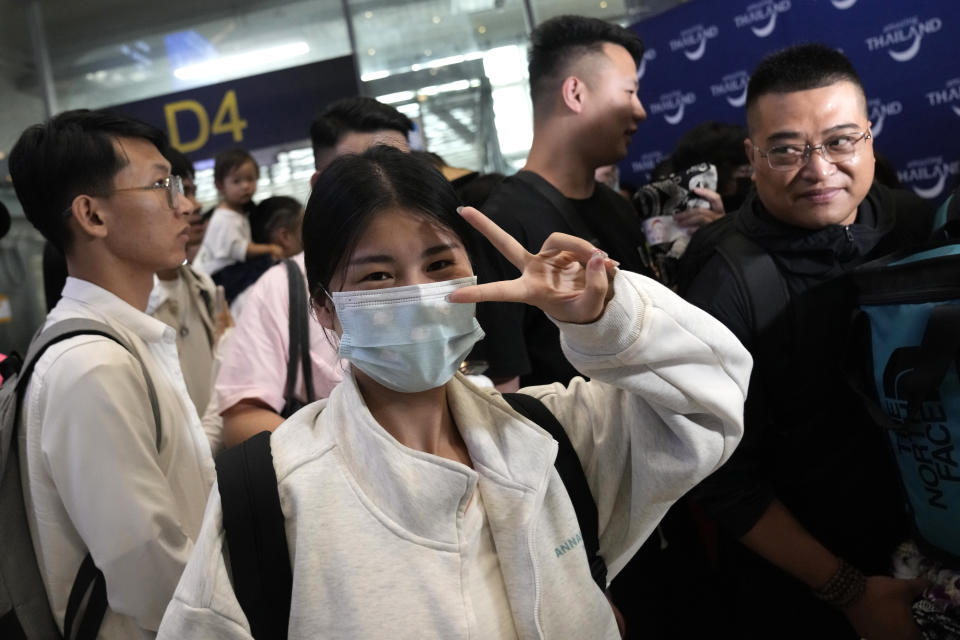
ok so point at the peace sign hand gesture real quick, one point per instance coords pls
(569, 279)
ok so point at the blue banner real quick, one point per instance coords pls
(700, 54)
(254, 112)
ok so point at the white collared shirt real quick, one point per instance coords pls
(92, 475)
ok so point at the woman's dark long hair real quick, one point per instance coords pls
(353, 189)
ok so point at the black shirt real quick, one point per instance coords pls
(521, 340)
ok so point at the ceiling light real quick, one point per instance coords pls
(225, 64)
(374, 75)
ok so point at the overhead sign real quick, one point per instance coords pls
(254, 112)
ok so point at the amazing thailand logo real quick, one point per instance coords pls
(902, 39)
(693, 41)
(761, 17)
(673, 105)
(928, 176)
(732, 87)
(949, 95)
(647, 162)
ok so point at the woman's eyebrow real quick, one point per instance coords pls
(379, 258)
(440, 248)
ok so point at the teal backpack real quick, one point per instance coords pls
(908, 327)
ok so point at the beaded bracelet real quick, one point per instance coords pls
(844, 587)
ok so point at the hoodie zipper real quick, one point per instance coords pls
(848, 233)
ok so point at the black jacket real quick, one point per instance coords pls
(807, 440)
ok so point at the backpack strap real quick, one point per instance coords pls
(758, 277)
(77, 327)
(299, 349)
(939, 349)
(89, 579)
(574, 480)
(256, 535)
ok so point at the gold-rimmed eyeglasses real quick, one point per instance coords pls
(839, 148)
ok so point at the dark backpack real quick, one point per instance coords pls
(299, 350)
(24, 609)
(256, 533)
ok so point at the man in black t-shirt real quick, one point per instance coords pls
(583, 83)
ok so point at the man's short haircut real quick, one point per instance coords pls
(559, 42)
(800, 68)
(72, 154)
(180, 164)
(361, 114)
(227, 161)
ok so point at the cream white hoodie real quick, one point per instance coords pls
(375, 529)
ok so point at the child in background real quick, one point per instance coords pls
(274, 222)
(228, 238)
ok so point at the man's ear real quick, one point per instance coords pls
(86, 214)
(572, 93)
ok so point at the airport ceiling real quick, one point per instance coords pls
(74, 27)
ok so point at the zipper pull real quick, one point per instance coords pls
(847, 232)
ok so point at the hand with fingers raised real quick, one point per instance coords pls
(569, 279)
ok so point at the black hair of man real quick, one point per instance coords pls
(361, 114)
(4, 220)
(800, 68)
(180, 164)
(558, 43)
(226, 161)
(73, 153)
(719, 143)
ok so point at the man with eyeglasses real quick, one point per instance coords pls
(97, 479)
(810, 493)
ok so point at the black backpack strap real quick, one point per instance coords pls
(574, 480)
(299, 349)
(758, 277)
(256, 536)
(939, 349)
(89, 579)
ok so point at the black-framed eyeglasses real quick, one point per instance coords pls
(839, 148)
(173, 185)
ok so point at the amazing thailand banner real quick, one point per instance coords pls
(699, 57)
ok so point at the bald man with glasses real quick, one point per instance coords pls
(809, 505)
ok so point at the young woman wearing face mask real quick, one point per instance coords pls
(417, 505)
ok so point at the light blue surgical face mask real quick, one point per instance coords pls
(408, 339)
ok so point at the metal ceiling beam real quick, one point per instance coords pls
(41, 57)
